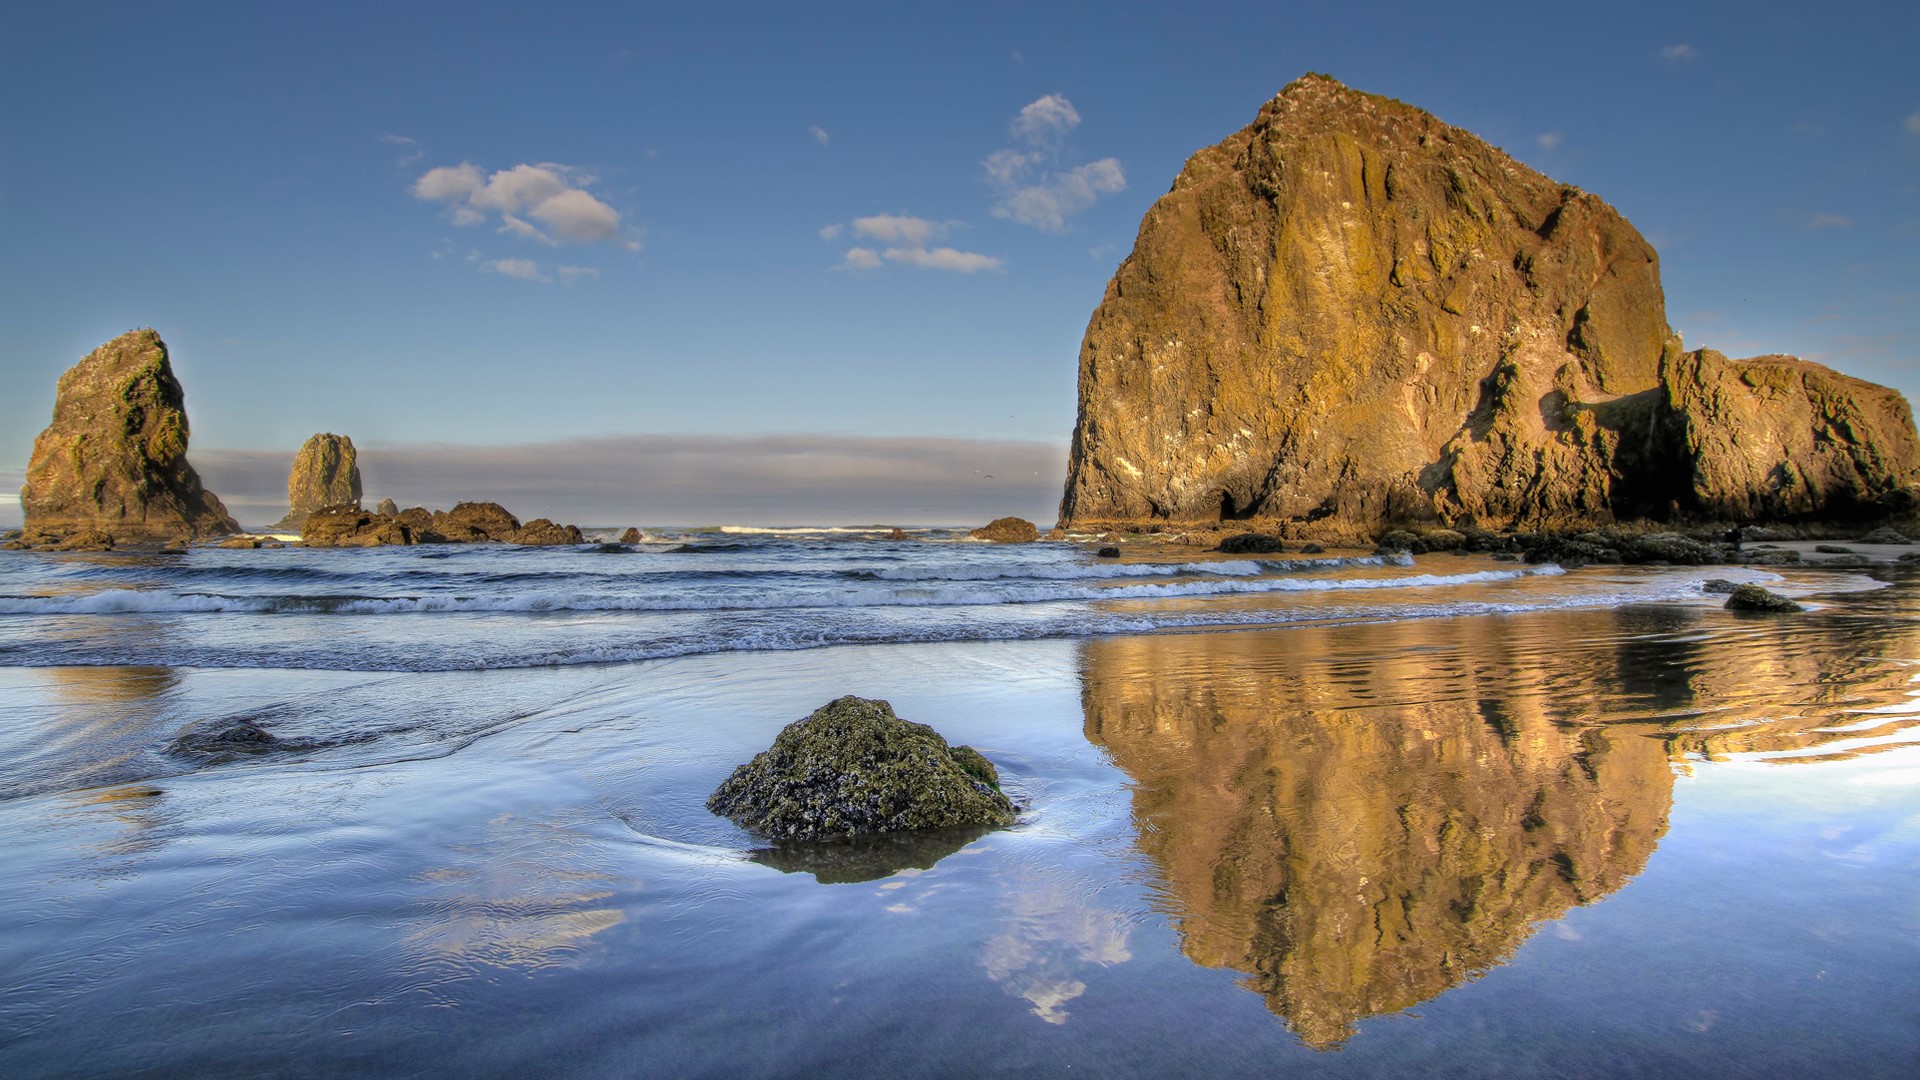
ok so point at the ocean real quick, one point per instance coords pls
(1342, 814)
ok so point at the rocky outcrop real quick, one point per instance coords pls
(854, 768)
(1350, 314)
(114, 460)
(466, 523)
(1007, 530)
(326, 472)
(387, 507)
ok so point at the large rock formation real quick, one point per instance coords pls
(466, 523)
(326, 472)
(1350, 313)
(114, 460)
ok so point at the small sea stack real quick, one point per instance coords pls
(326, 472)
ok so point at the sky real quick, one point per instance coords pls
(605, 241)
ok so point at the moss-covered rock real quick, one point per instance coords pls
(854, 768)
(1007, 530)
(1755, 598)
(1251, 544)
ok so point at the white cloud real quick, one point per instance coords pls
(1549, 141)
(396, 140)
(1033, 189)
(820, 135)
(553, 195)
(899, 229)
(1913, 124)
(1829, 221)
(524, 269)
(513, 226)
(830, 232)
(907, 239)
(1680, 52)
(944, 258)
(1045, 120)
(1048, 203)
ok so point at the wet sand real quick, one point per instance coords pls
(1653, 839)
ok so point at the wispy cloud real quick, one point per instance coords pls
(1034, 185)
(831, 232)
(1912, 124)
(1828, 221)
(1679, 53)
(1549, 141)
(665, 479)
(570, 274)
(907, 240)
(524, 269)
(547, 203)
(820, 135)
(410, 153)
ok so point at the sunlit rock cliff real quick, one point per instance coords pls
(113, 463)
(1350, 313)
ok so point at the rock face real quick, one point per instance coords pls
(326, 472)
(387, 507)
(854, 768)
(1350, 313)
(114, 460)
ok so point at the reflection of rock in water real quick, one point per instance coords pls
(1363, 817)
(867, 858)
(1361, 833)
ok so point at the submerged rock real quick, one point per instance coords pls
(225, 737)
(114, 459)
(1718, 585)
(854, 768)
(867, 858)
(1755, 598)
(326, 472)
(1007, 530)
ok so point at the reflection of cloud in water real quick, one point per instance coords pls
(525, 898)
(1362, 818)
(1050, 937)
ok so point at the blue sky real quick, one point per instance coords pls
(431, 224)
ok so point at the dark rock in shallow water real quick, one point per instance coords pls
(226, 737)
(1844, 562)
(632, 536)
(1718, 585)
(1251, 544)
(1885, 535)
(1832, 549)
(854, 768)
(1312, 549)
(1755, 598)
(867, 858)
(1007, 530)
(1108, 552)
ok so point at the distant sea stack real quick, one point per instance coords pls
(114, 461)
(326, 472)
(1350, 314)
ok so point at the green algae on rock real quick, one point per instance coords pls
(1755, 598)
(854, 768)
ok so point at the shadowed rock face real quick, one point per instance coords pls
(1350, 313)
(326, 472)
(114, 459)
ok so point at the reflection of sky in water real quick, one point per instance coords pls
(1049, 936)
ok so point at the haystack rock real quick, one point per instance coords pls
(326, 472)
(1350, 313)
(114, 460)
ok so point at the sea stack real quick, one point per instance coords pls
(326, 472)
(113, 462)
(1350, 314)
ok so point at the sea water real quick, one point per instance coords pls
(1345, 813)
